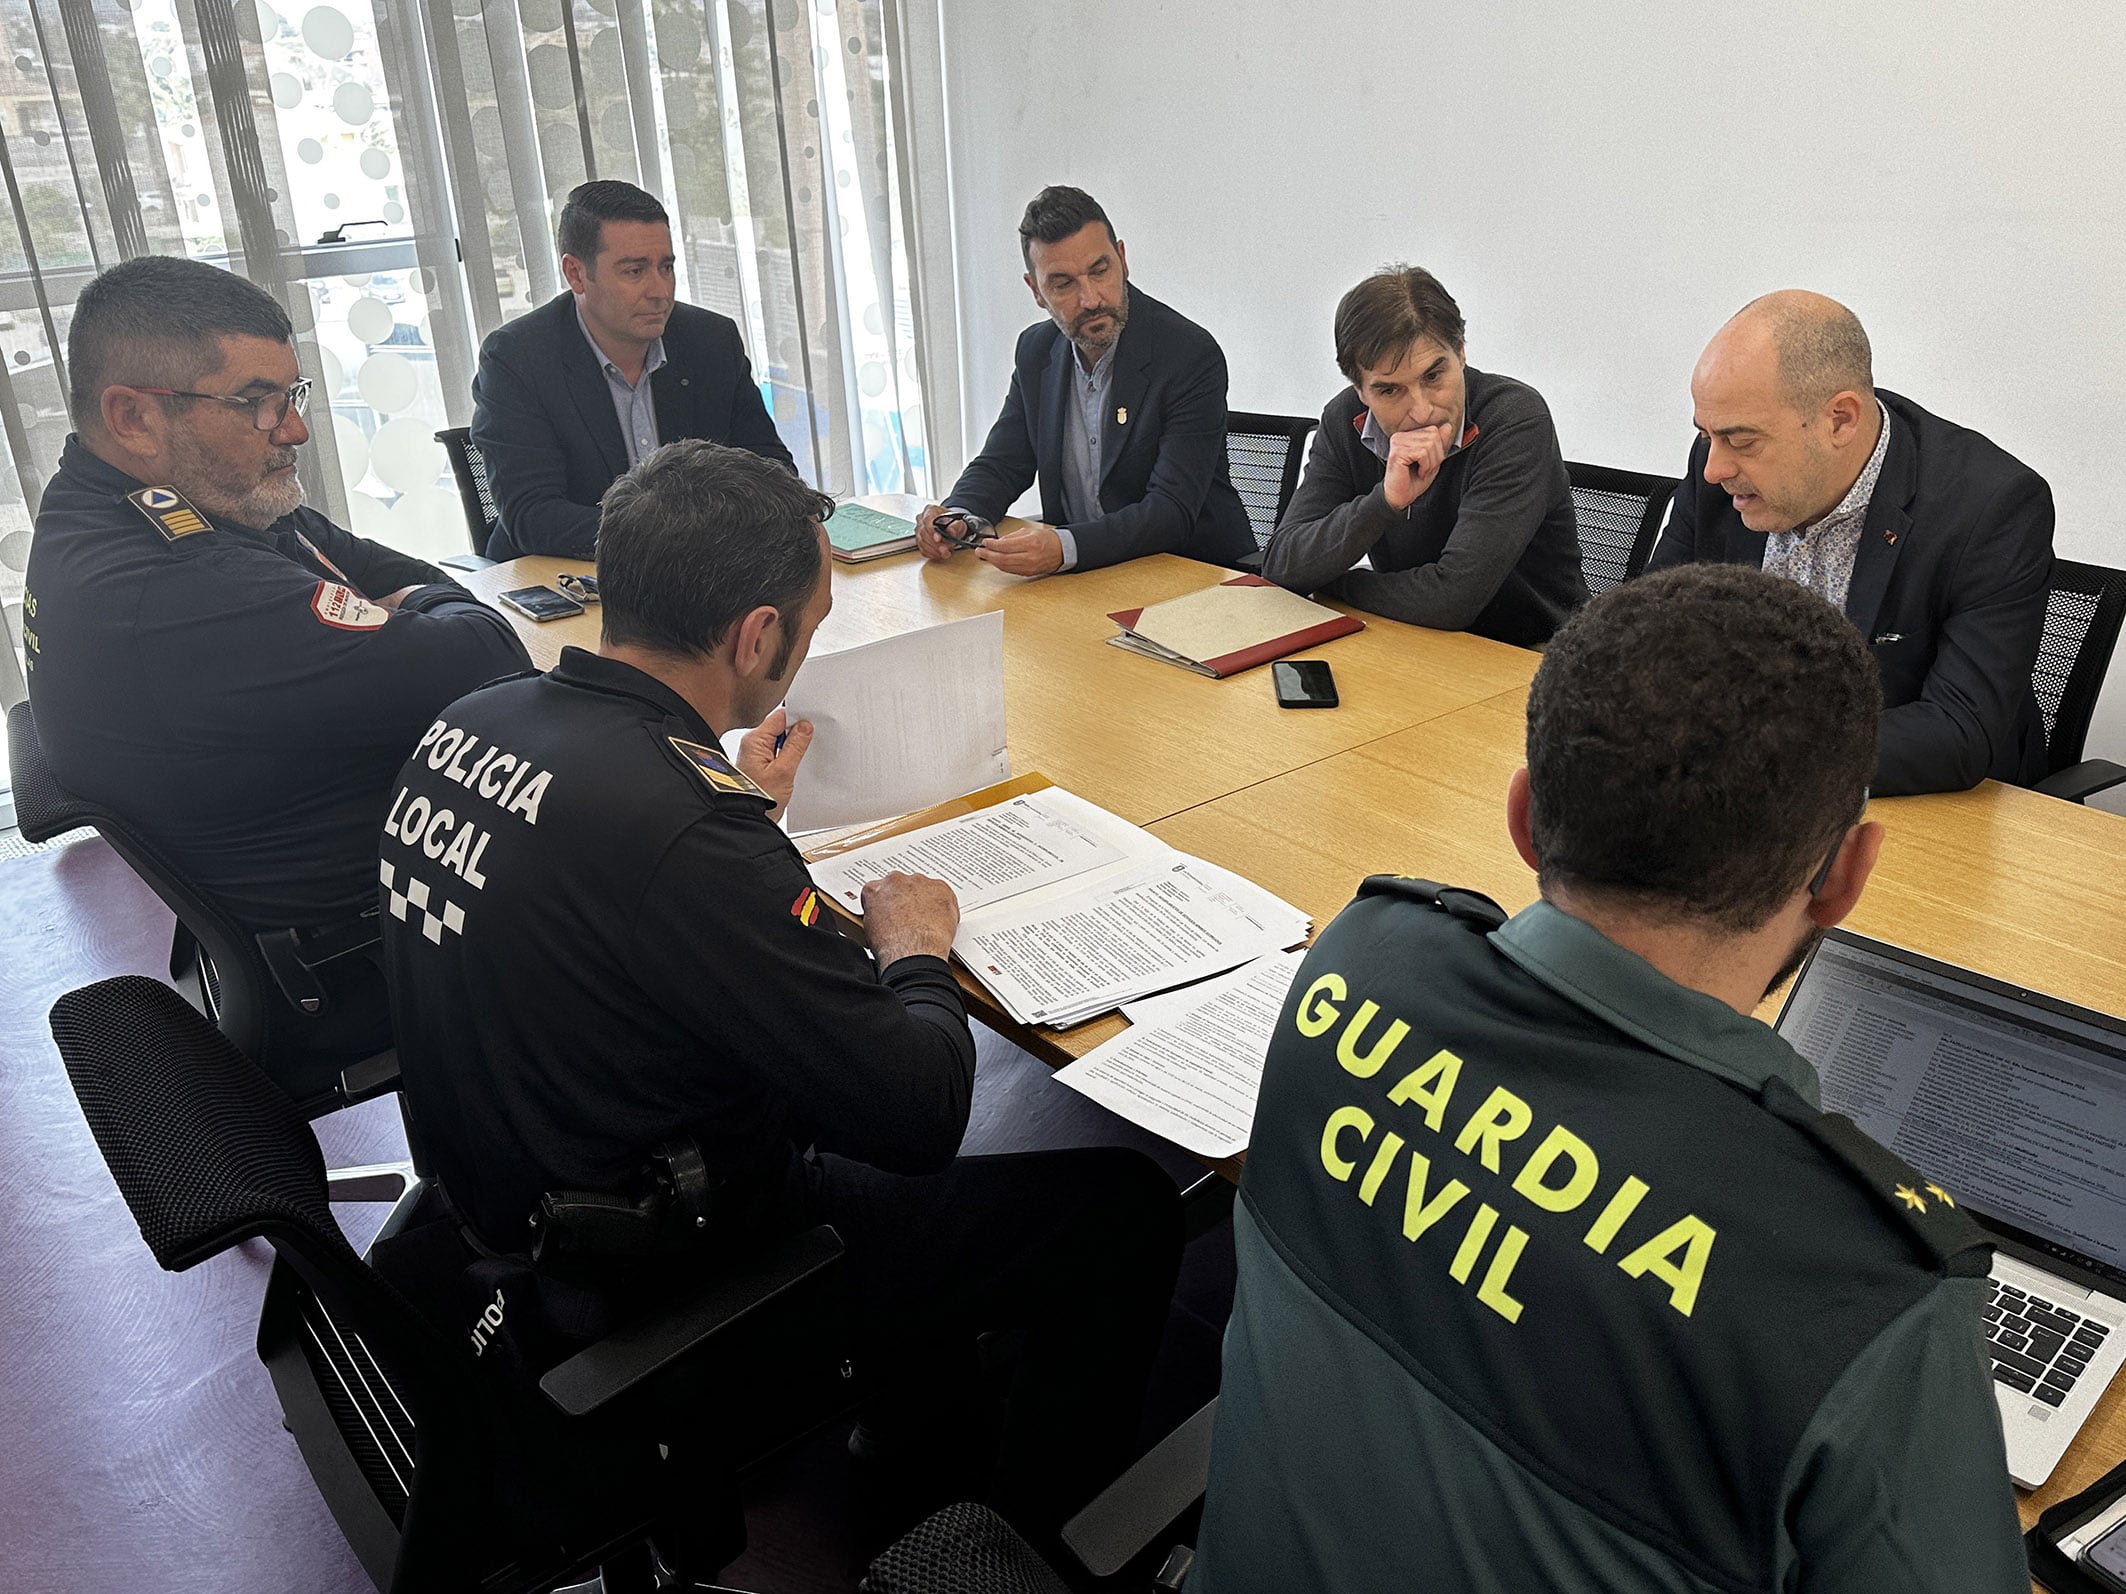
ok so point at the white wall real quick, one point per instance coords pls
(1600, 187)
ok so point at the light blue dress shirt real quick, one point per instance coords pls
(1084, 433)
(633, 402)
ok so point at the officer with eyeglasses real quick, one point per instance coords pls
(226, 669)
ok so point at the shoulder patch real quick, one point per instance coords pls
(345, 609)
(1923, 1208)
(719, 772)
(1472, 908)
(169, 513)
(805, 910)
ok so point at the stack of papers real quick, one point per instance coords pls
(855, 533)
(1067, 912)
(1189, 1067)
(1231, 627)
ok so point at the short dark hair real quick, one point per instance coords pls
(697, 537)
(1056, 213)
(158, 321)
(1383, 316)
(1698, 740)
(589, 206)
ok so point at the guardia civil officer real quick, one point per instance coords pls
(1552, 1276)
(598, 939)
(229, 671)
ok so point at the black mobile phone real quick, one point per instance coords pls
(541, 603)
(1303, 683)
(2105, 1560)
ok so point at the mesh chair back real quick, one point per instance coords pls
(474, 491)
(2082, 616)
(963, 1549)
(43, 807)
(1264, 453)
(204, 1148)
(1619, 515)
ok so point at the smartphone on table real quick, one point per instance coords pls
(1303, 683)
(541, 603)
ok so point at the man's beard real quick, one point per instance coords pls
(1120, 313)
(1795, 958)
(202, 476)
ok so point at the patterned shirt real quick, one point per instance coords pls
(633, 402)
(1820, 557)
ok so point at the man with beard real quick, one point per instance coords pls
(1117, 406)
(1552, 1274)
(229, 671)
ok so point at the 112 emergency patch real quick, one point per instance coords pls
(345, 609)
(721, 774)
(169, 513)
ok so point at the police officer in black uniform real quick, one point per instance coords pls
(599, 939)
(228, 670)
(1552, 1274)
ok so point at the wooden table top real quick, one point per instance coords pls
(1409, 776)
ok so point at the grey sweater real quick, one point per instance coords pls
(1491, 547)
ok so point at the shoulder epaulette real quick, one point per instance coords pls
(722, 777)
(1925, 1210)
(1471, 908)
(169, 512)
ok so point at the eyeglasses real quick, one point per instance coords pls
(269, 411)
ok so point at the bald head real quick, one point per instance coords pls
(1816, 344)
(1785, 396)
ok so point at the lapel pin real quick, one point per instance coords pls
(1890, 537)
(1121, 415)
(682, 381)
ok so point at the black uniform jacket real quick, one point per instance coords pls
(1164, 483)
(1949, 588)
(596, 940)
(230, 692)
(542, 419)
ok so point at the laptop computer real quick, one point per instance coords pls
(2015, 1103)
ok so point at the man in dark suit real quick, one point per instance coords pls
(587, 385)
(1117, 406)
(1936, 543)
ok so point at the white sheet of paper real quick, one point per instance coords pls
(1194, 1076)
(986, 856)
(1159, 924)
(900, 723)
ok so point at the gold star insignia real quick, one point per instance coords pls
(1911, 1198)
(1941, 1195)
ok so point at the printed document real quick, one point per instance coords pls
(986, 856)
(900, 723)
(1194, 1075)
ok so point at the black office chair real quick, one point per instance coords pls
(445, 1468)
(969, 1549)
(474, 492)
(220, 970)
(1264, 453)
(1619, 514)
(2082, 617)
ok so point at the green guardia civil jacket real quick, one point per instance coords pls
(1553, 1277)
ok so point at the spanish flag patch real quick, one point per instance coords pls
(805, 910)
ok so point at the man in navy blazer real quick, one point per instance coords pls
(588, 385)
(1935, 542)
(1117, 407)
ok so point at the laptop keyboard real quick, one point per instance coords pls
(2037, 1346)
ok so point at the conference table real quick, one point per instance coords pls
(1408, 776)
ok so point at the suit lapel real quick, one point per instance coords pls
(1048, 446)
(1884, 535)
(675, 393)
(587, 387)
(1125, 394)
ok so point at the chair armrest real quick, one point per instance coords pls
(372, 1076)
(1137, 1507)
(603, 1372)
(2079, 782)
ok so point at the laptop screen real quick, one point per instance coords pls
(2015, 1103)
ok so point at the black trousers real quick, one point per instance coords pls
(1072, 1253)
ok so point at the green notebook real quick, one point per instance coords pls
(857, 532)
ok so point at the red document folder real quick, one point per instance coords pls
(1219, 631)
